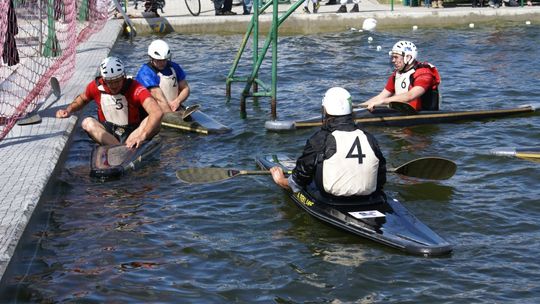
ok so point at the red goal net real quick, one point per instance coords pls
(38, 40)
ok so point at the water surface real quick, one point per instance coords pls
(150, 238)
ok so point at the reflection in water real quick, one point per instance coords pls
(411, 139)
(411, 190)
(345, 256)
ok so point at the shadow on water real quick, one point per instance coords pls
(425, 191)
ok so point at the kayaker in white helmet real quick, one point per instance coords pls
(119, 102)
(412, 82)
(342, 160)
(165, 79)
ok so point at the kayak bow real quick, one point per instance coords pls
(113, 161)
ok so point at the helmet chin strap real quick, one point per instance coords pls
(324, 116)
(407, 66)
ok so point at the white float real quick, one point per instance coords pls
(369, 24)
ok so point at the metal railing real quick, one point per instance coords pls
(259, 88)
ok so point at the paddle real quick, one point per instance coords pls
(212, 175)
(28, 120)
(286, 125)
(402, 107)
(358, 106)
(529, 153)
(427, 168)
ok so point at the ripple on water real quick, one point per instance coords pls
(149, 238)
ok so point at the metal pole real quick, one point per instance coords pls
(255, 47)
(40, 7)
(275, 25)
(252, 81)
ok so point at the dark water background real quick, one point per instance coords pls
(149, 238)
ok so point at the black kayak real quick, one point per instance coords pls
(382, 219)
(389, 117)
(116, 160)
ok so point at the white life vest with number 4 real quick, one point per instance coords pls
(352, 170)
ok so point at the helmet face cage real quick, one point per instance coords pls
(159, 50)
(405, 48)
(112, 68)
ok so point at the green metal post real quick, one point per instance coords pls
(253, 81)
(230, 76)
(83, 11)
(255, 49)
(52, 47)
(40, 8)
(275, 26)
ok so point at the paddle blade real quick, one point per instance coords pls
(34, 119)
(205, 175)
(55, 85)
(189, 110)
(428, 168)
(402, 107)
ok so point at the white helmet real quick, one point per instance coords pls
(159, 50)
(111, 68)
(337, 102)
(405, 48)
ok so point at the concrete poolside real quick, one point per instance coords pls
(35, 152)
(178, 18)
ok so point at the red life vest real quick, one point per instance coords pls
(429, 101)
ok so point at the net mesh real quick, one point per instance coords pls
(38, 40)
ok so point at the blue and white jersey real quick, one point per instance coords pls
(166, 79)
